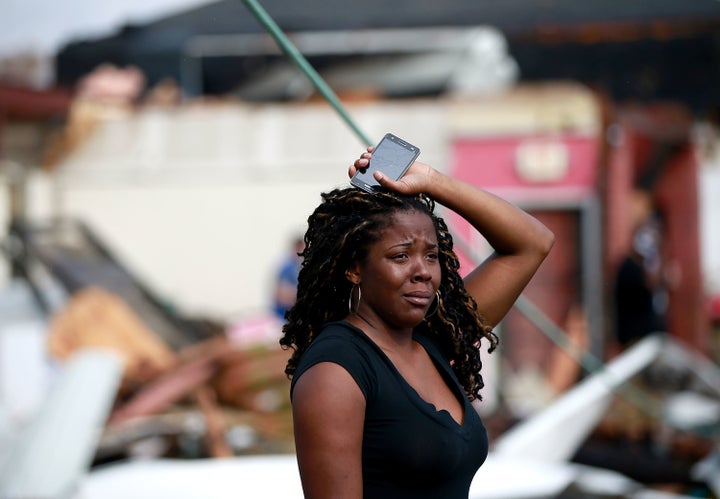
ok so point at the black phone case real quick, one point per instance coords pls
(389, 144)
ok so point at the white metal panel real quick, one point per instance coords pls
(55, 450)
(554, 434)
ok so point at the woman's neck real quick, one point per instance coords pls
(388, 339)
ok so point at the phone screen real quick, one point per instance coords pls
(392, 156)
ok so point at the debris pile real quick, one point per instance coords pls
(218, 397)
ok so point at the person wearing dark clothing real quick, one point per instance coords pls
(385, 335)
(640, 298)
(396, 462)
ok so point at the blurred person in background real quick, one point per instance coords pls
(640, 293)
(287, 279)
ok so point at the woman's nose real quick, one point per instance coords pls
(421, 270)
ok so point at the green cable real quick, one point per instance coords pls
(291, 51)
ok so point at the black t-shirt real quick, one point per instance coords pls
(410, 450)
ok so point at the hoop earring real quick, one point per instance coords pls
(350, 299)
(437, 305)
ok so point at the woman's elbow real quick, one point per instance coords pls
(545, 241)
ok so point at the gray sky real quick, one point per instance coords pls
(43, 26)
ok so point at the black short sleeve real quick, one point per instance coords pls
(340, 346)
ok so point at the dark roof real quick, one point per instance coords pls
(511, 16)
(649, 49)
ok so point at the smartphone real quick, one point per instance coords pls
(392, 156)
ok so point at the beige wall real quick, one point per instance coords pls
(202, 202)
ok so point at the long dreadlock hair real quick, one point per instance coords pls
(340, 232)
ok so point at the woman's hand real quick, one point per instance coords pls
(415, 180)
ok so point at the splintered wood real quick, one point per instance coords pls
(219, 378)
(96, 318)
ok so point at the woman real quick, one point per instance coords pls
(386, 335)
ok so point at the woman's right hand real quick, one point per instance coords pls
(416, 179)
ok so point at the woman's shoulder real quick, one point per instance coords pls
(339, 332)
(342, 327)
(343, 344)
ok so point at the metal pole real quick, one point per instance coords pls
(291, 51)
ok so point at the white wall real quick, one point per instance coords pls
(202, 202)
(709, 202)
(207, 249)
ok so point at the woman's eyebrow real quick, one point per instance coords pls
(407, 244)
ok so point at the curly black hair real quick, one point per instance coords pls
(340, 232)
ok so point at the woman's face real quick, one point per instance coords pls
(399, 278)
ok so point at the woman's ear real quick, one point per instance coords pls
(353, 274)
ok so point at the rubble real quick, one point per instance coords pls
(218, 397)
(94, 317)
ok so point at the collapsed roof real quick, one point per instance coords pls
(644, 50)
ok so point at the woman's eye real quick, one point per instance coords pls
(433, 256)
(400, 256)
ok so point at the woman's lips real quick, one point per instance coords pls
(420, 299)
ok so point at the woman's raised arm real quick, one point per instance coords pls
(520, 242)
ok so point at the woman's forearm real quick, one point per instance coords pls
(507, 228)
(520, 243)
